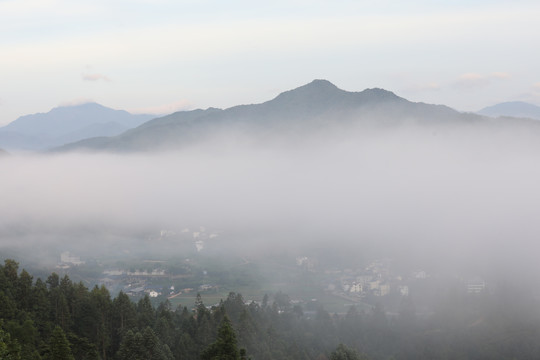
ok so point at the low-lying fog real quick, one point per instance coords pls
(446, 198)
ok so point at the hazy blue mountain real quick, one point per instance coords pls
(15, 141)
(317, 107)
(517, 109)
(67, 124)
(3, 152)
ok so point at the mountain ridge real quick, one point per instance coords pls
(310, 108)
(65, 124)
(518, 109)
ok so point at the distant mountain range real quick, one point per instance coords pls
(313, 108)
(517, 109)
(66, 124)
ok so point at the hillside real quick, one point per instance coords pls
(66, 124)
(517, 109)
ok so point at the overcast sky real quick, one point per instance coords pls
(159, 56)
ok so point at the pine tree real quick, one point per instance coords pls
(24, 289)
(59, 346)
(41, 307)
(143, 346)
(343, 352)
(124, 312)
(9, 349)
(101, 301)
(225, 347)
(145, 312)
(124, 317)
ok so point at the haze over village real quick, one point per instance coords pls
(201, 180)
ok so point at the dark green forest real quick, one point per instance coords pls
(56, 318)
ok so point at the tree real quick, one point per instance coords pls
(24, 289)
(8, 283)
(53, 280)
(9, 306)
(41, 308)
(65, 302)
(154, 348)
(234, 304)
(24, 333)
(59, 346)
(84, 313)
(225, 347)
(145, 312)
(246, 330)
(143, 346)
(101, 302)
(9, 349)
(124, 317)
(165, 327)
(57, 305)
(11, 269)
(342, 352)
(124, 312)
(82, 348)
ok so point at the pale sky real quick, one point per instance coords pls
(160, 56)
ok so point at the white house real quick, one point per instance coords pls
(404, 290)
(356, 288)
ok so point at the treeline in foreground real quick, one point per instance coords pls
(57, 319)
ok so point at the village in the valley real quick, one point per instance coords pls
(180, 280)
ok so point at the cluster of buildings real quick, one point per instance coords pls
(68, 260)
(306, 263)
(137, 283)
(199, 236)
(141, 291)
(375, 280)
(154, 272)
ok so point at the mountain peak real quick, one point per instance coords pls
(87, 106)
(317, 86)
(320, 93)
(315, 91)
(67, 123)
(321, 84)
